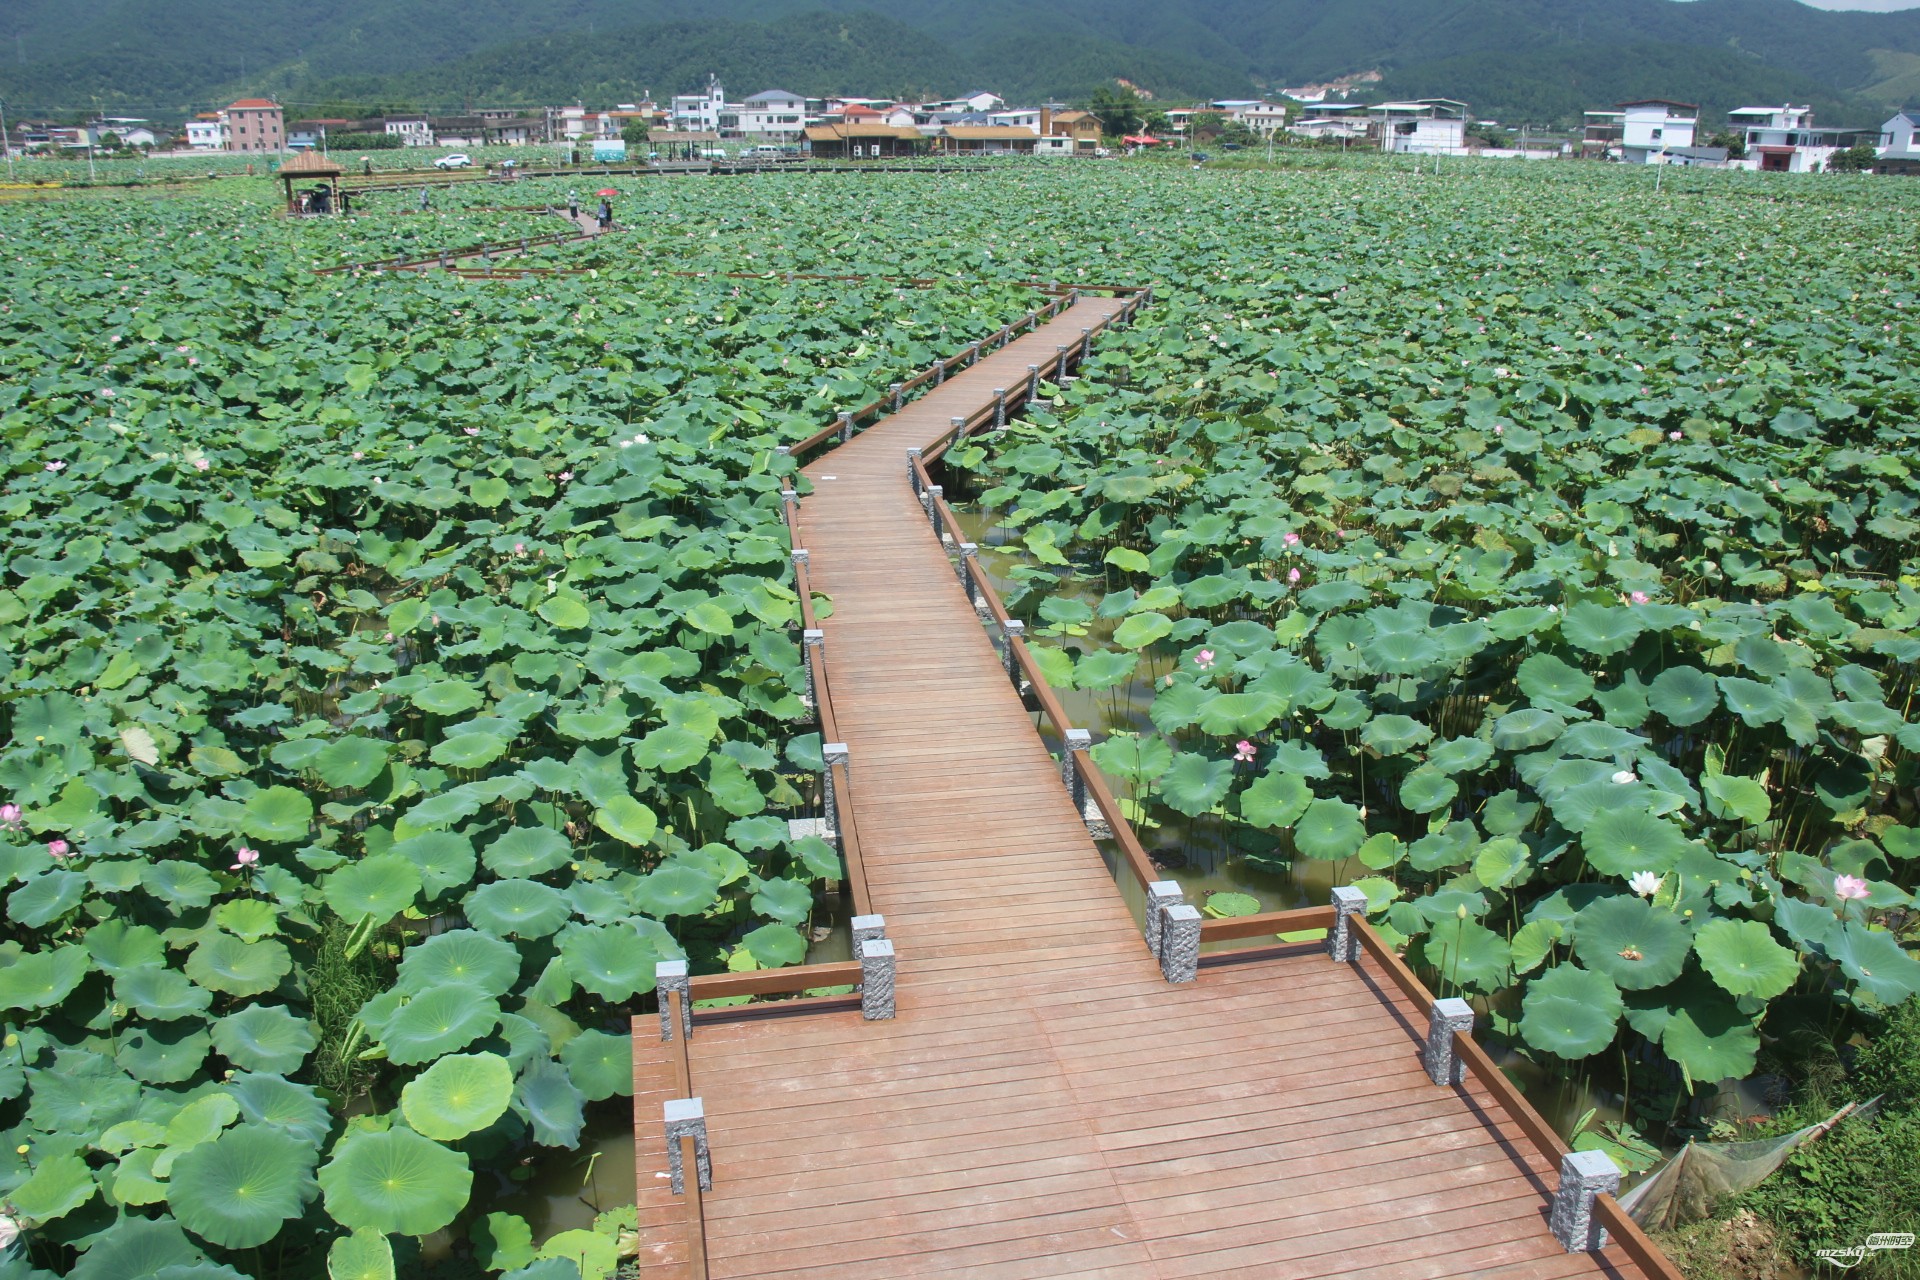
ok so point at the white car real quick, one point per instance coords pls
(458, 160)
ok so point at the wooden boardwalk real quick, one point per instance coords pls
(1045, 1103)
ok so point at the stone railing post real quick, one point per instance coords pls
(876, 979)
(939, 372)
(790, 500)
(1033, 381)
(831, 754)
(969, 567)
(687, 1118)
(1180, 943)
(999, 408)
(930, 499)
(867, 929)
(1442, 1063)
(959, 426)
(1583, 1175)
(782, 451)
(1161, 894)
(898, 391)
(846, 426)
(913, 472)
(1010, 630)
(1342, 943)
(1086, 344)
(670, 976)
(1059, 363)
(813, 650)
(1076, 782)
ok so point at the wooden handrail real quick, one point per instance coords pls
(696, 1210)
(1042, 691)
(1632, 1240)
(1266, 924)
(1396, 968)
(850, 844)
(1101, 794)
(789, 981)
(1488, 1072)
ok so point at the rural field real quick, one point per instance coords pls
(394, 667)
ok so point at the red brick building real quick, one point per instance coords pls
(256, 124)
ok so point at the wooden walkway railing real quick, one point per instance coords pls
(1049, 1100)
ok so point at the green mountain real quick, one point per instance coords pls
(1536, 60)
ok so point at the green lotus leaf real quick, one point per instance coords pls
(444, 859)
(1404, 653)
(237, 1189)
(1275, 800)
(352, 761)
(397, 1182)
(42, 978)
(1194, 784)
(1743, 958)
(119, 948)
(1711, 1041)
(675, 890)
(462, 955)
(1426, 790)
(1526, 728)
(1570, 1011)
(460, 1094)
(502, 1241)
(600, 1065)
(1229, 905)
(282, 1104)
(788, 901)
(58, 1185)
(1138, 757)
(527, 851)
(469, 750)
(1178, 705)
(438, 1022)
(729, 787)
(1226, 715)
(711, 617)
(447, 698)
(670, 749)
(547, 1100)
(1875, 960)
(170, 1053)
(278, 814)
(264, 1038)
(185, 886)
(361, 1255)
(1755, 703)
(222, 962)
(381, 885)
(1142, 629)
(612, 961)
(626, 820)
(1467, 954)
(1545, 678)
(1459, 755)
(248, 919)
(516, 908)
(775, 945)
(595, 1255)
(161, 994)
(1620, 842)
(1600, 629)
(1104, 669)
(1393, 735)
(1637, 945)
(1329, 830)
(1732, 797)
(567, 613)
(819, 858)
(136, 1246)
(46, 897)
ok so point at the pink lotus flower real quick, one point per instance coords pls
(201, 464)
(1639, 597)
(56, 466)
(1204, 660)
(1243, 751)
(473, 431)
(519, 548)
(1293, 575)
(565, 476)
(1850, 887)
(1499, 430)
(58, 849)
(357, 455)
(10, 816)
(1675, 435)
(1290, 539)
(182, 349)
(244, 858)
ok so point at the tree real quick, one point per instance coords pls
(1155, 121)
(1735, 144)
(1858, 158)
(634, 133)
(1119, 110)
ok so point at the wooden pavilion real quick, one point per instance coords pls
(322, 171)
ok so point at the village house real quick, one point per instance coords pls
(208, 131)
(702, 112)
(1423, 126)
(861, 139)
(985, 139)
(1650, 127)
(1784, 140)
(413, 131)
(1900, 143)
(1082, 128)
(255, 124)
(772, 116)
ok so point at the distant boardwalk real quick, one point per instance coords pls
(1044, 1102)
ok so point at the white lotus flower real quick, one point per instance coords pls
(1645, 883)
(1625, 776)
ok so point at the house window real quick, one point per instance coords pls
(1655, 134)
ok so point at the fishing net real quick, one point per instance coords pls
(1697, 1180)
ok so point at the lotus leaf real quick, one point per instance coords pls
(222, 962)
(503, 1241)
(1621, 842)
(135, 1246)
(42, 978)
(527, 851)
(237, 1189)
(516, 908)
(676, 890)
(282, 1104)
(351, 762)
(1599, 629)
(1142, 629)
(441, 1021)
(444, 860)
(1875, 959)
(1392, 735)
(1529, 727)
(365, 1254)
(1275, 800)
(1631, 941)
(1329, 830)
(600, 1065)
(548, 1101)
(1194, 784)
(379, 886)
(278, 814)
(612, 961)
(1570, 1012)
(626, 820)
(469, 750)
(264, 1038)
(395, 1182)
(160, 994)
(594, 1254)
(1426, 790)
(458, 1095)
(58, 1185)
(1548, 679)
(464, 956)
(1467, 953)
(1711, 1041)
(1141, 758)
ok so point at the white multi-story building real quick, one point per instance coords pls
(208, 132)
(772, 116)
(1901, 134)
(1653, 126)
(1261, 117)
(701, 112)
(413, 131)
(1424, 126)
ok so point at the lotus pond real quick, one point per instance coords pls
(394, 668)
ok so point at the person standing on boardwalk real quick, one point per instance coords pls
(606, 214)
(573, 206)
(425, 203)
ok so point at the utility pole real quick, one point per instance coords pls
(6, 139)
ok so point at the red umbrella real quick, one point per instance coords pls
(607, 191)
